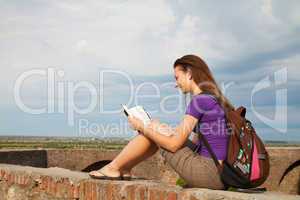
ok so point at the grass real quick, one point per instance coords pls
(82, 143)
(28, 144)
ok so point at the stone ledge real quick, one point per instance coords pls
(18, 182)
(154, 168)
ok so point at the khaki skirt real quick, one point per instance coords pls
(198, 171)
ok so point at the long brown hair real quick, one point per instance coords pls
(203, 77)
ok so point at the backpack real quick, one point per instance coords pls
(247, 163)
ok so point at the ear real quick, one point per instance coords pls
(189, 74)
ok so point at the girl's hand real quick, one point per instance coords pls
(154, 124)
(161, 128)
(135, 123)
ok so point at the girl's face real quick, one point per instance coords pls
(183, 79)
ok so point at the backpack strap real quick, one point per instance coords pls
(211, 152)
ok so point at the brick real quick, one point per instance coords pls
(142, 193)
(75, 191)
(52, 189)
(109, 192)
(172, 196)
(81, 190)
(87, 191)
(193, 198)
(130, 192)
(57, 185)
(162, 195)
(93, 191)
(152, 194)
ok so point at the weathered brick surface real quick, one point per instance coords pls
(76, 159)
(155, 168)
(34, 158)
(152, 168)
(17, 182)
(280, 159)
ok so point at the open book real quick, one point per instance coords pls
(138, 112)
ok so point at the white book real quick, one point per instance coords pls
(138, 112)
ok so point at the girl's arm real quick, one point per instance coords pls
(172, 143)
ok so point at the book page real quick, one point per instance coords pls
(138, 112)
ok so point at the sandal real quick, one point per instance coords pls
(126, 177)
(105, 177)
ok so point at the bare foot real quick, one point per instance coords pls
(126, 173)
(107, 170)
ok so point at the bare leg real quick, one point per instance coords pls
(137, 150)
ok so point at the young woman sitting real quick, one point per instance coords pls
(205, 113)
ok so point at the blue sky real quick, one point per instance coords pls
(242, 42)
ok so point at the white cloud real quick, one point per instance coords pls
(142, 37)
(138, 35)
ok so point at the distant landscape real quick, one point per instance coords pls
(27, 142)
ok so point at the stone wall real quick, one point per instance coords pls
(29, 183)
(280, 159)
(153, 168)
(34, 158)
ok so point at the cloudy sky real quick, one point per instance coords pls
(102, 46)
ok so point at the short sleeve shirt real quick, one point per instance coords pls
(211, 123)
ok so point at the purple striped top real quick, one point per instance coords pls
(211, 123)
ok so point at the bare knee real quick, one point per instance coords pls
(152, 145)
(147, 139)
